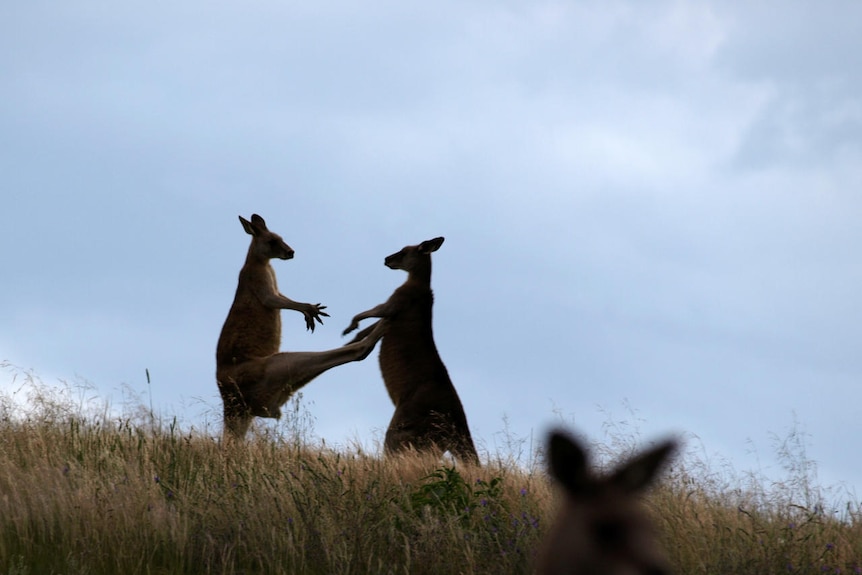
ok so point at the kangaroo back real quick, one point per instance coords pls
(252, 329)
(408, 354)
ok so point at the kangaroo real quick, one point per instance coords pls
(428, 412)
(602, 527)
(253, 378)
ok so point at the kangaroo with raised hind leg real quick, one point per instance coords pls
(602, 527)
(254, 379)
(428, 413)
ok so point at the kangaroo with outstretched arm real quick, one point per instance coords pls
(254, 379)
(428, 413)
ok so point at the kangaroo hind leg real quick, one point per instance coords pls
(288, 372)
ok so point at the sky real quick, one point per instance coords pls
(651, 210)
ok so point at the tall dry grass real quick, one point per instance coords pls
(85, 491)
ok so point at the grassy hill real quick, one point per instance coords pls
(82, 491)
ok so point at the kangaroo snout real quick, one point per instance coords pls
(280, 249)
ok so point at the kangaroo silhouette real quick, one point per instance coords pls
(254, 379)
(428, 413)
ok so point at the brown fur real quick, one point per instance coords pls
(602, 528)
(428, 412)
(253, 378)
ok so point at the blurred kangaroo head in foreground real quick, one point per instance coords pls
(602, 527)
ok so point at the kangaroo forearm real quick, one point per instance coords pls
(278, 301)
(381, 310)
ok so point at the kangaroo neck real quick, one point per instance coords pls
(252, 258)
(420, 276)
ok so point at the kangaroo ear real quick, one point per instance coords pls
(567, 462)
(258, 221)
(246, 225)
(639, 472)
(429, 246)
(253, 227)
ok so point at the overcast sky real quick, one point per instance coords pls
(654, 205)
